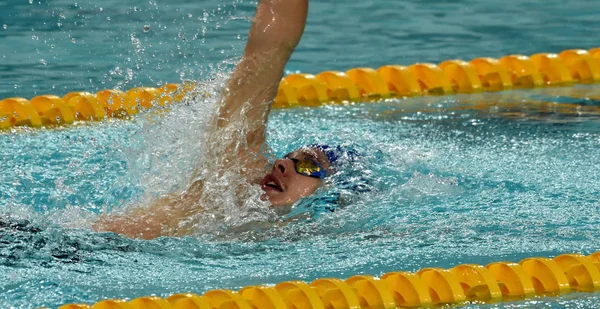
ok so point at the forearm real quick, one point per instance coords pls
(277, 23)
(276, 30)
(253, 85)
(161, 218)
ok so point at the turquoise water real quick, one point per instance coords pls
(458, 179)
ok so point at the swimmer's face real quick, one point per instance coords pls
(284, 186)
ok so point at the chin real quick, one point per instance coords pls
(276, 203)
(272, 200)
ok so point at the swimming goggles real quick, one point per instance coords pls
(309, 167)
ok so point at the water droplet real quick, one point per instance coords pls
(146, 28)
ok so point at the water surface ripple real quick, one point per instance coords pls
(459, 179)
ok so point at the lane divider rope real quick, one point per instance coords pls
(355, 85)
(495, 282)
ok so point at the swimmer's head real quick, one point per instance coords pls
(301, 172)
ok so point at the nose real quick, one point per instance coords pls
(283, 166)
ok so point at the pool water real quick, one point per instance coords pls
(457, 179)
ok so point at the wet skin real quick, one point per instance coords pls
(283, 186)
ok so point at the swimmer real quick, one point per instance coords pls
(275, 32)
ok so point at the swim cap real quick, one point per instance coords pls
(351, 177)
(334, 153)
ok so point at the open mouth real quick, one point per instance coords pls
(271, 183)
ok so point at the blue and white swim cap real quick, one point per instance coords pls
(335, 153)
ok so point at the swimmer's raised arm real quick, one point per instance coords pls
(276, 30)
